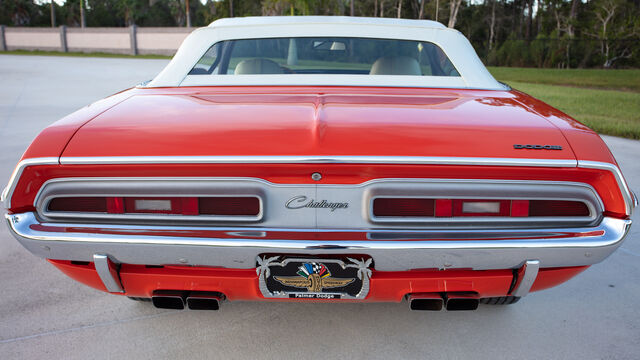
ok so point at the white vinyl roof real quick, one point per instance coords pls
(473, 74)
(298, 20)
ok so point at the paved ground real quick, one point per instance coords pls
(45, 314)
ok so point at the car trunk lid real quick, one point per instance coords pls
(319, 122)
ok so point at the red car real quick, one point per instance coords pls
(320, 159)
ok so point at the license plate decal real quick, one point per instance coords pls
(299, 278)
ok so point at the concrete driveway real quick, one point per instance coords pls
(45, 314)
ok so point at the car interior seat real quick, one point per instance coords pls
(396, 65)
(257, 66)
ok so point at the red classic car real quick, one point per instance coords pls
(320, 159)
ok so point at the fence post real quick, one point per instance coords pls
(133, 29)
(63, 38)
(3, 43)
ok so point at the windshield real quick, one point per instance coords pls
(324, 55)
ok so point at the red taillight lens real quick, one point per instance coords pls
(403, 207)
(557, 208)
(224, 206)
(78, 204)
(229, 206)
(413, 207)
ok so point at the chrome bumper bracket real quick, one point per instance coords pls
(108, 273)
(529, 276)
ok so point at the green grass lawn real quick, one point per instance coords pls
(609, 112)
(608, 101)
(628, 80)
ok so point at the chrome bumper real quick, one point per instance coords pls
(392, 250)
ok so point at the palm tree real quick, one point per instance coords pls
(263, 265)
(363, 267)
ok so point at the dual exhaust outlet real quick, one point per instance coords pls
(193, 300)
(449, 301)
(200, 300)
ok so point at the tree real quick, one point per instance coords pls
(83, 23)
(187, 13)
(53, 14)
(421, 10)
(454, 6)
(614, 24)
(492, 24)
(131, 10)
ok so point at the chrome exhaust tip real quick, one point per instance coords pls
(168, 299)
(425, 302)
(204, 301)
(461, 302)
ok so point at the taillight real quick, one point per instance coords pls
(557, 208)
(416, 207)
(79, 204)
(229, 205)
(481, 208)
(403, 207)
(220, 205)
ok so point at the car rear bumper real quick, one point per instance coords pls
(391, 250)
(242, 284)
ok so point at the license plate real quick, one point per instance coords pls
(313, 278)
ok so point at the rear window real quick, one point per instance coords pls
(324, 55)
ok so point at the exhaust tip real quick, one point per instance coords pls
(168, 299)
(426, 304)
(457, 304)
(204, 301)
(426, 301)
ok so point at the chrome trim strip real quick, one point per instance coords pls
(328, 159)
(443, 249)
(108, 274)
(529, 275)
(17, 172)
(617, 173)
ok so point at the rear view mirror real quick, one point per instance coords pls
(329, 45)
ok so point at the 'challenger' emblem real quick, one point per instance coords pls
(314, 277)
(538, 147)
(301, 201)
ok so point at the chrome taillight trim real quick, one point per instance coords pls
(489, 189)
(147, 187)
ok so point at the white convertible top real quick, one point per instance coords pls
(297, 20)
(473, 74)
